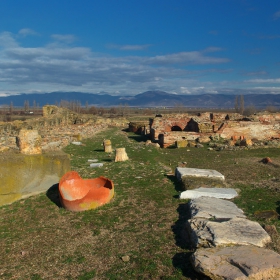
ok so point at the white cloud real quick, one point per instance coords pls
(187, 58)
(7, 40)
(58, 66)
(27, 31)
(64, 38)
(257, 81)
(128, 47)
(255, 73)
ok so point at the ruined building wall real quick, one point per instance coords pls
(170, 128)
(58, 127)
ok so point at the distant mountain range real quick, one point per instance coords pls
(146, 99)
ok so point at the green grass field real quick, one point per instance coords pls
(141, 233)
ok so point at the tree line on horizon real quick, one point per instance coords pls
(121, 109)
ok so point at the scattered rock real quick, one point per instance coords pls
(266, 160)
(237, 262)
(96, 165)
(125, 258)
(24, 253)
(76, 143)
(198, 145)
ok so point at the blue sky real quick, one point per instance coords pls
(126, 47)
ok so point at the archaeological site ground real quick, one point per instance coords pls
(142, 232)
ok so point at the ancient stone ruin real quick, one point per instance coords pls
(57, 128)
(31, 158)
(185, 129)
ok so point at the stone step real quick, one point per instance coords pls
(214, 208)
(192, 178)
(237, 262)
(225, 193)
(181, 172)
(239, 231)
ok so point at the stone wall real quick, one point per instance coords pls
(168, 129)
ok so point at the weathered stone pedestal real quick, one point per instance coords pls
(107, 146)
(121, 155)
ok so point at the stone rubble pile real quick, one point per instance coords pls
(228, 245)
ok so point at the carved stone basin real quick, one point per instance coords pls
(77, 194)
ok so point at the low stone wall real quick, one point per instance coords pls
(58, 128)
(25, 175)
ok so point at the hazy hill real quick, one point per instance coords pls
(146, 99)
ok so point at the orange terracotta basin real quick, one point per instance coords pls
(77, 194)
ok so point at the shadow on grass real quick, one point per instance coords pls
(53, 195)
(172, 147)
(278, 208)
(99, 150)
(139, 138)
(177, 184)
(108, 159)
(182, 260)
(180, 229)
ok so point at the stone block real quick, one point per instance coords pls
(196, 172)
(192, 178)
(239, 231)
(225, 193)
(214, 208)
(181, 143)
(95, 165)
(237, 262)
(121, 155)
(29, 142)
(27, 175)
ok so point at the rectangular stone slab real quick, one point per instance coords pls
(214, 208)
(239, 231)
(196, 172)
(225, 193)
(27, 175)
(237, 262)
